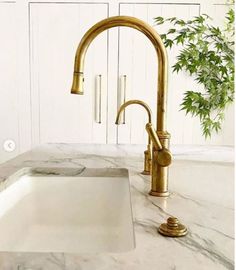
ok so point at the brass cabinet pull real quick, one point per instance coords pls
(122, 96)
(98, 99)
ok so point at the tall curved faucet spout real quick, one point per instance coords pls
(151, 34)
(130, 102)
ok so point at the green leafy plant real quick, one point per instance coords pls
(207, 54)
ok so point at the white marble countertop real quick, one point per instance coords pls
(209, 215)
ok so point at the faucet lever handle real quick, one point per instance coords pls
(163, 157)
(161, 154)
(153, 136)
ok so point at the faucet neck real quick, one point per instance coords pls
(155, 39)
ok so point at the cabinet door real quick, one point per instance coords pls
(138, 62)
(57, 115)
(9, 92)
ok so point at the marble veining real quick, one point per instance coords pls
(210, 219)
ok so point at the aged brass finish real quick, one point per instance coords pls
(151, 34)
(159, 155)
(130, 102)
(159, 163)
(164, 156)
(78, 83)
(147, 161)
(173, 228)
(147, 153)
(160, 167)
(153, 136)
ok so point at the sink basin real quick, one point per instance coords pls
(89, 211)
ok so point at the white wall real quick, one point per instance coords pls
(38, 42)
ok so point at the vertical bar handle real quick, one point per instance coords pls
(122, 95)
(98, 99)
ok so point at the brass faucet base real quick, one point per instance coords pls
(159, 194)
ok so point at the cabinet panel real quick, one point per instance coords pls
(8, 87)
(55, 31)
(137, 60)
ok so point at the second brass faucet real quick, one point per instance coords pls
(161, 157)
(156, 156)
(148, 152)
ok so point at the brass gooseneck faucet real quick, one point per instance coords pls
(148, 152)
(161, 157)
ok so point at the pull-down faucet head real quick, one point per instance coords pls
(78, 83)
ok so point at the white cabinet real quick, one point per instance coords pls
(58, 116)
(9, 129)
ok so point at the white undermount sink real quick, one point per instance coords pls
(47, 212)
